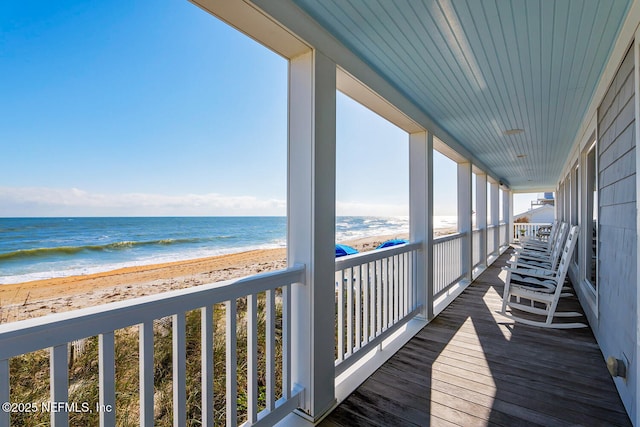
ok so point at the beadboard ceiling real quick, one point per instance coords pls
(479, 68)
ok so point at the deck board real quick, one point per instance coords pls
(471, 366)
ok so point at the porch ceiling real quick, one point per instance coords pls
(480, 68)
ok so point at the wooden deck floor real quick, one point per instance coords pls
(473, 367)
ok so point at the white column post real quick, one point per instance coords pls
(311, 227)
(464, 216)
(481, 214)
(510, 236)
(421, 214)
(495, 215)
(505, 213)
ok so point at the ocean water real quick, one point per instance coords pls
(42, 248)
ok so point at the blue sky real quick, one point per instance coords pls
(158, 108)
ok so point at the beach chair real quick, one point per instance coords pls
(542, 289)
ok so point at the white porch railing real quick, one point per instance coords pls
(529, 229)
(477, 251)
(54, 332)
(447, 262)
(375, 295)
(491, 242)
(504, 238)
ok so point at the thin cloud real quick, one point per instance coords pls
(43, 201)
(370, 209)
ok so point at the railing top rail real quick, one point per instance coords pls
(358, 259)
(448, 237)
(34, 334)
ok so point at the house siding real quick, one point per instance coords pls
(614, 327)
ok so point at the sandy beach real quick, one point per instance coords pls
(38, 298)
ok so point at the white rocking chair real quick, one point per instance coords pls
(539, 259)
(542, 288)
(534, 242)
(547, 247)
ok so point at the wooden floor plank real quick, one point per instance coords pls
(528, 386)
(472, 366)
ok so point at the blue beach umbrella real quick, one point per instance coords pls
(343, 250)
(392, 242)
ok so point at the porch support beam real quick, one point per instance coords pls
(311, 227)
(464, 216)
(481, 214)
(509, 217)
(506, 218)
(495, 215)
(421, 214)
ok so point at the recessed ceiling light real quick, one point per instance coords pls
(513, 131)
(521, 156)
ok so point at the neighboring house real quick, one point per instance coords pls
(544, 214)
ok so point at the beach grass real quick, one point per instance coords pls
(30, 373)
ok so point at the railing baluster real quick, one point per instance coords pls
(286, 342)
(206, 356)
(396, 288)
(107, 379)
(391, 294)
(341, 315)
(393, 284)
(179, 369)
(350, 311)
(385, 293)
(231, 362)
(437, 270)
(403, 287)
(252, 356)
(378, 268)
(399, 284)
(414, 280)
(146, 372)
(59, 378)
(366, 303)
(358, 291)
(270, 345)
(411, 280)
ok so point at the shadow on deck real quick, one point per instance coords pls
(473, 367)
